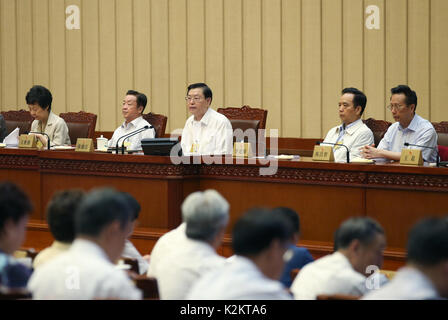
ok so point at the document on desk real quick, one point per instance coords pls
(12, 140)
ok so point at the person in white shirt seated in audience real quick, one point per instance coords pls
(39, 101)
(61, 221)
(359, 243)
(206, 215)
(134, 104)
(206, 132)
(130, 251)
(425, 275)
(260, 239)
(352, 133)
(87, 270)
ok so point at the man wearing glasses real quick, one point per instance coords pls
(409, 127)
(206, 132)
(352, 133)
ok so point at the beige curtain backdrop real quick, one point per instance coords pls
(291, 57)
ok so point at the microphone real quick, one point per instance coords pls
(130, 135)
(336, 144)
(407, 144)
(48, 137)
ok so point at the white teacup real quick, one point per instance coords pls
(101, 143)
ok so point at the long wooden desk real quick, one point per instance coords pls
(324, 194)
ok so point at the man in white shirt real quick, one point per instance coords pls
(425, 275)
(134, 104)
(359, 243)
(206, 215)
(206, 132)
(260, 240)
(408, 128)
(87, 270)
(352, 133)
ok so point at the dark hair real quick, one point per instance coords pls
(428, 242)
(100, 208)
(61, 214)
(359, 98)
(358, 228)
(291, 216)
(256, 229)
(142, 100)
(411, 96)
(14, 203)
(133, 203)
(205, 89)
(40, 95)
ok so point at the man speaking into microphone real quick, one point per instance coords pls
(409, 128)
(352, 133)
(134, 104)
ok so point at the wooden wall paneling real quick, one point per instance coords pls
(90, 55)
(374, 60)
(178, 79)
(233, 57)
(396, 48)
(8, 37)
(331, 63)
(41, 74)
(109, 106)
(311, 69)
(24, 52)
(195, 41)
(272, 64)
(291, 69)
(439, 64)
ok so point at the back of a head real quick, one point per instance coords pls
(61, 214)
(428, 242)
(256, 229)
(14, 203)
(205, 214)
(40, 95)
(133, 203)
(362, 229)
(292, 216)
(100, 208)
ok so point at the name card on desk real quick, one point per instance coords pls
(242, 150)
(323, 153)
(27, 141)
(84, 145)
(411, 157)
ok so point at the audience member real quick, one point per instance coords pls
(260, 239)
(3, 132)
(87, 270)
(15, 207)
(359, 243)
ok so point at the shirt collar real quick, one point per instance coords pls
(350, 128)
(206, 117)
(413, 126)
(89, 247)
(134, 122)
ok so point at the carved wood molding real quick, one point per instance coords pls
(20, 115)
(407, 181)
(246, 113)
(19, 162)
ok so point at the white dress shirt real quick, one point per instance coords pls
(238, 279)
(50, 253)
(130, 251)
(164, 246)
(355, 136)
(135, 141)
(83, 272)
(419, 131)
(407, 284)
(332, 274)
(56, 128)
(212, 135)
(187, 262)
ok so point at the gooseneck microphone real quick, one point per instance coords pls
(336, 144)
(407, 144)
(48, 137)
(128, 135)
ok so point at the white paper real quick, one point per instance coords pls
(12, 140)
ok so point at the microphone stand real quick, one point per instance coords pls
(48, 137)
(336, 144)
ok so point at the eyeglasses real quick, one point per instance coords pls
(396, 107)
(195, 99)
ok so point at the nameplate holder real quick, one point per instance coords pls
(84, 145)
(412, 157)
(27, 141)
(242, 150)
(323, 153)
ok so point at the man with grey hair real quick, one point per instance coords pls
(205, 215)
(359, 243)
